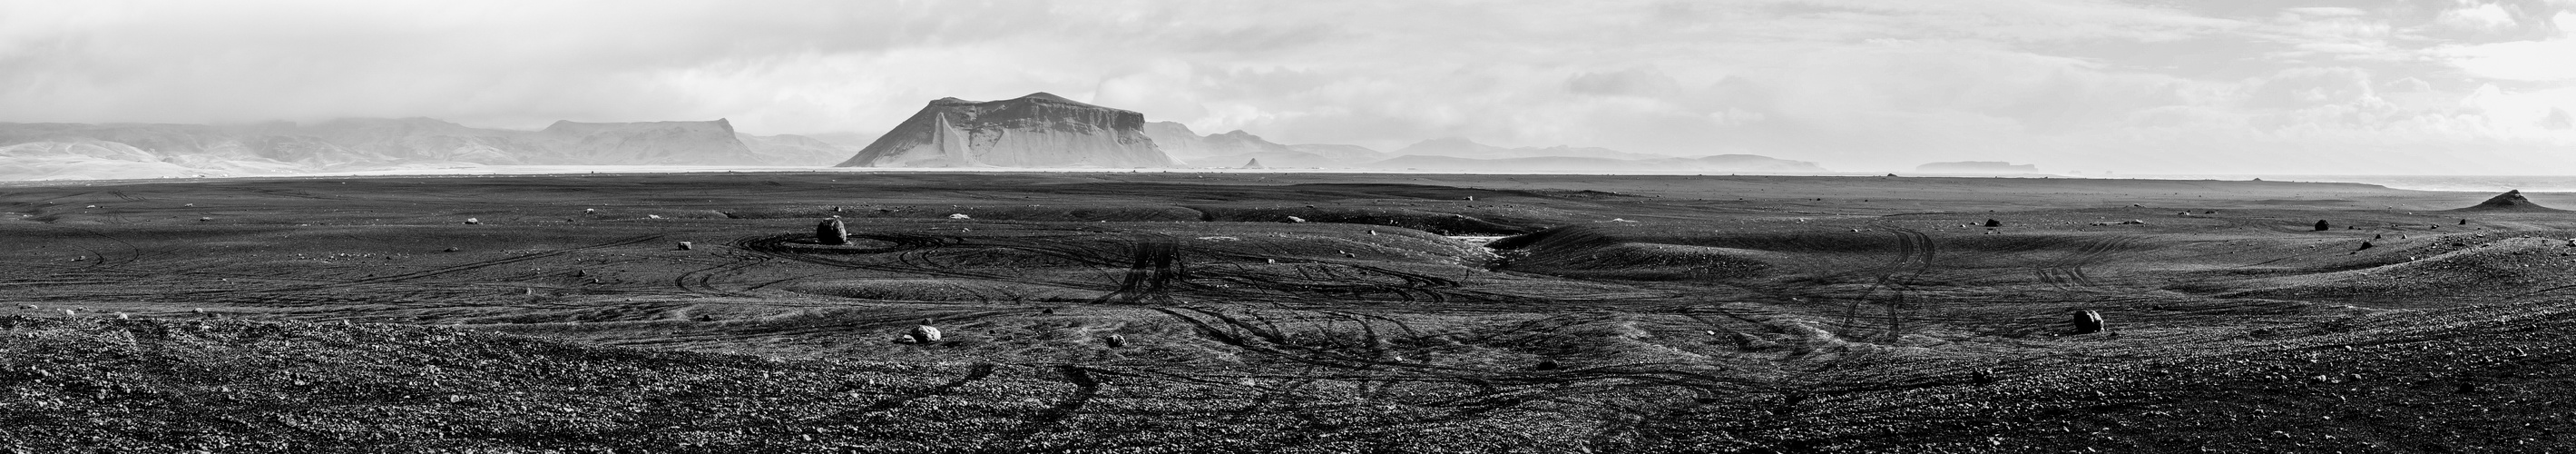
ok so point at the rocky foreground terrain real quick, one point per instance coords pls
(1119, 312)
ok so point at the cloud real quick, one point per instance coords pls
(2545, 59)
(2478, 18)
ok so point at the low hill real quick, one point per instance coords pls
(2509, 201)
(1181, 143)
(1464, 148)
(1977, 167)
(1342, 153)
(1232, 148)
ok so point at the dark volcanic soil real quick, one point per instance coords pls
(1268, 313)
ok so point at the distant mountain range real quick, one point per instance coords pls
(1044, 130)
(1977, 168)
(88, 151)
(1463, 148)
(1039, 130)
(1235, 148)
(1718, 163)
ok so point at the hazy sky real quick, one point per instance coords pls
(2444, 86)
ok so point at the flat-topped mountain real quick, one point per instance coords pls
(1038, 130)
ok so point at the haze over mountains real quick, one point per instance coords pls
(31, 151)
(1043, 130)
(1039, 130)
(1977, 168)
(1235, 148)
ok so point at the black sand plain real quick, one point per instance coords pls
(1189, 312)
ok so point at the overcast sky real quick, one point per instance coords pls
(2444, 86)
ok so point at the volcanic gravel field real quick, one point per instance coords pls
(1185, 312)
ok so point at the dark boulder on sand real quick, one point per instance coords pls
(2088, 322)
(832, 232)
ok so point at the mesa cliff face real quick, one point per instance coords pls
(1038, 130)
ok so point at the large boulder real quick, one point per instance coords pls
(832, 232)
(923, 334)
(2088, 322)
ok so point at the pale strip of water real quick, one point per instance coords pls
(2466, 183)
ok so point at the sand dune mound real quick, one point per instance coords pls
(1428, 221)
(1033, 213)
(941, 290)
(2508, 201)
(2511, 266)
(1589, 252)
